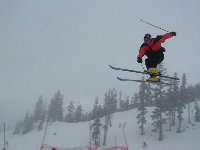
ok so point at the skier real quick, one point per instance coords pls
(154, 51)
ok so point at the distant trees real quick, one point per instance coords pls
(109, 106)
(79, 116)
(18, 127)
(171, 101)
(181, 101)
(168, 103)
(160, 104)
(142, 98)
(96, 130)
(108, 123)
(197, 112)
(96, 126)
(40, 111)
(124, 103)
(97, 109)
(55, 109)
(70, 117)
(110, 102)
(28, 123)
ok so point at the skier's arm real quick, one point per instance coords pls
(161, 39)
(142, 51)
(164, 37)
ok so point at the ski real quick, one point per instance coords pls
(143, 72)
(157, 82)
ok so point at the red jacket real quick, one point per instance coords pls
(154, 44)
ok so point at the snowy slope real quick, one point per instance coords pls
(67, 135)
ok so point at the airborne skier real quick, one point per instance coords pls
(155, 55)
(154, 51)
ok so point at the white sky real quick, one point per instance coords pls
(67, 45)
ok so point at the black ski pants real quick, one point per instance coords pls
(154, 58)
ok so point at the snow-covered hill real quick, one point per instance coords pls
(68, 135)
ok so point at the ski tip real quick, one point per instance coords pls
(111, 66)
(114, 68)
(119, 78)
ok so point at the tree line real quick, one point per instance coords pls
(168, 102)
(55, 111)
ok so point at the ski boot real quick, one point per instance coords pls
(153, 71)
(153, 79)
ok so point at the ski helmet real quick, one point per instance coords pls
(147, 35)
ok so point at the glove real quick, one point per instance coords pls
(139, 60)
(173, 33)
(162, 49)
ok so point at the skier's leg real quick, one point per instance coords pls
(151, 64)
(159, 57)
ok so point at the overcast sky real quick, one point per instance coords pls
(67, 45)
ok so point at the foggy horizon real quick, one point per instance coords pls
(68, 46)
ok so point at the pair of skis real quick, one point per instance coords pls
(144, 72)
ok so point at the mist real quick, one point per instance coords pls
(67, 45)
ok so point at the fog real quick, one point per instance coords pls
(67, 45)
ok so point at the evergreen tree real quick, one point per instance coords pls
(18, 127)
(160, 104)
(40, 125)
(121, 102)
(174, 100)
(70, 117)
(191, 94)
(196, 91)
(55, 110)
(169, 107)
(107, 124)
(127, 103)
(181, 102)
(96, 130)
(39, 113)
(27, 124)
(131, 105)
(110, 102)
(149, 95)
(78, 114)
(97, 110)
(197, 112)
(190, 98)
(141, 108)
(124, 104)
(171, 101)
(135, 101)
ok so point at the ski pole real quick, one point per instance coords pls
(154, 25)
(142, 66)
(143, 69)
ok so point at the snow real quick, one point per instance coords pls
(67, 135)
